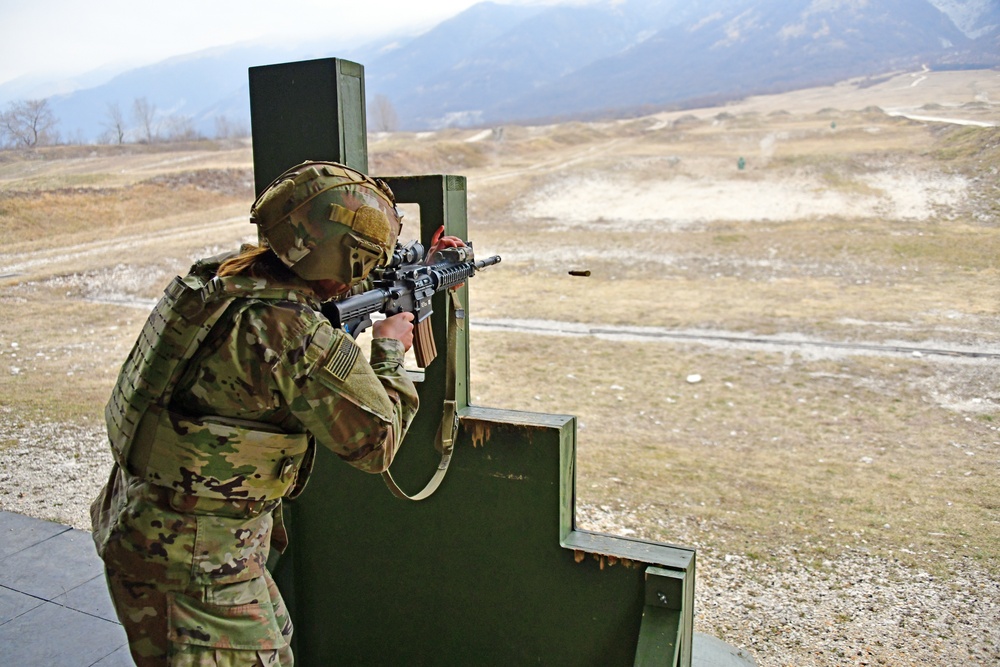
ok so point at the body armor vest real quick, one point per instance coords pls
(206, 456)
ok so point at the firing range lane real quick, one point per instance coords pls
(816, 347)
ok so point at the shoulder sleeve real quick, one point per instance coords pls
(358, 410)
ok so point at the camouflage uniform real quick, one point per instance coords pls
(185, 535)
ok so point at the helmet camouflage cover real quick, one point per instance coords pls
(327, 221)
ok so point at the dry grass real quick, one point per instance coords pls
(47, 219)
(767, 448)
(772, 446)
(885, 453)
(60, 356)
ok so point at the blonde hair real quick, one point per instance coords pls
(256, 261)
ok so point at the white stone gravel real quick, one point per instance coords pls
(54, 470)
(854, 609)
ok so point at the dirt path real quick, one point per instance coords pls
(939, 119)
(815, 348)
(15, 264)
(885, 412)
(564, 160)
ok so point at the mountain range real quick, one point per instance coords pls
(496, 63)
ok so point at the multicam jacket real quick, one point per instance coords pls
(271, 380)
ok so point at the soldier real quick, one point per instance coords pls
(217, 411)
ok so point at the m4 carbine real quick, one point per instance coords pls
(406, 284)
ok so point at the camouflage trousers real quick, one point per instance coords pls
(187, 576)
(242, 624)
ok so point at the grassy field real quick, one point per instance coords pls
(832, 447)
(816, 362)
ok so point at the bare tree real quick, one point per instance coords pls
(227, 128)
(144, 113)
(384, 118)
(6, 141)
(29, 123)
(75, 138)
(180, 128)
(222, 127)
(115, 123)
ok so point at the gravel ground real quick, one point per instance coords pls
(783, 607)
(60, 485)
(855, 609)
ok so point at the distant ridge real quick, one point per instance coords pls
(494, 63)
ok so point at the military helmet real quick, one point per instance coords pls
(327, 221)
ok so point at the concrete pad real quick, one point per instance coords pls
(14, 603)
(120, 658)
(91, 598)
(53, 566)
(18, 532)
(708, 651)
(55, 636)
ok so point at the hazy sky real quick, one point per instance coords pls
(72, 37)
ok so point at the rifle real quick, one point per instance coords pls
(406, 284)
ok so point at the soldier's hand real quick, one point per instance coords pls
(439, 242)
(399, 326)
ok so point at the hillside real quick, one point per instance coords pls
(500, 64)
(789, 365)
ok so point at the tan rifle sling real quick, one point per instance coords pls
(448, 428)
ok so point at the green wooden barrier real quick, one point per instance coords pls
(491, 569)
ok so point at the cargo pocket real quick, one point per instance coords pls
(245, 627)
